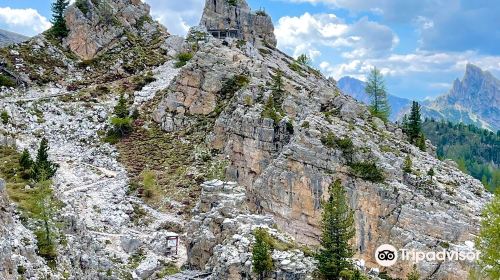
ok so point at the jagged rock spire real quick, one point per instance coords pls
(255, 27)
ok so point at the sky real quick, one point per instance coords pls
(421, 46)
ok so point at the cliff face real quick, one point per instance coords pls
(94, 28)
(257, 28)
(287, 169)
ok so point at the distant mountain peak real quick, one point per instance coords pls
(7, 38)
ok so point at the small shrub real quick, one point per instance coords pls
(83, 6)
(182, 59)
(306, 124)
(6, 81)
(5, 117)
(169, 269)
(407, 165)
(232, 85)
(261, 12)
(232, 2)
(368, 171)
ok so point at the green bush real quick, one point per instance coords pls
(182, 59)
(5, 117)
(232, 85)
(368, 171)
(83, 6)
(6, 81)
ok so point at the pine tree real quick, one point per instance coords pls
(375, 88)
(337, 225)
(261, 255)
(407, 165)
(304, 60)
(59, 28)
(43, 169)
(25, 161)
(413, 275)
(44, 210)
(121, 109)
(488, 241)
(414, 123)
(421, 142)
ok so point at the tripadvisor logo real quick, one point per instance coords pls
(387, 255)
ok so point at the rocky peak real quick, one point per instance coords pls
(95, 26)
(224, 15)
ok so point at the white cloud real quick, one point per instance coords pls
(420, 62)
(24, 21)
(309, 32)
(177, 16)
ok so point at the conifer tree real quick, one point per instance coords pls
(43, 169)
(25, 161)
(375, 88)
(488, 241)
(121, 121)
(304, 60)
(421, 142)
(44, 210)
(414, 123)
(407, 165)
(59, 28)
(337, 225)
(261, 254)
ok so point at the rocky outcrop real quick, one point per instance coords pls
(221, 236)
(96, 26)
(18, 258)
(287, 169)
(254, 27)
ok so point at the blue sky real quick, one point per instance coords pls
(420, 45)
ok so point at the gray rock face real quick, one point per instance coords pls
(220, 237)
(256, 28)
(287, 169)
(96, 27)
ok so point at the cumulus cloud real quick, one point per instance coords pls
(306, 33)
(177, 16)
(24, 21)
(420, 62)
(443, 25)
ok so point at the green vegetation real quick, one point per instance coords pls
(488, 241)
(273, 107)
(413, 275)
(149, 184)
(169, 269)
(82, 6)
(407, 165)
(304, 60)
(261, 12)
(337, 226)
(229, 88)
(344, 144)
(36, 202)
(43, 169)
(412, 127)
(375, 88)
(121, 122)
(5, 81)
(232, 2)
(368, 171)
(431, 173)
(182, 59)
(142, 80)
(261, 253)
(477, 151)
(4, 116)
(59, 29)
